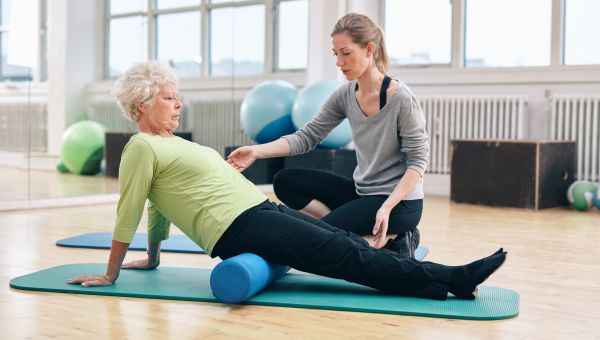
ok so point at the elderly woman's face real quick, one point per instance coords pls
(164, 114)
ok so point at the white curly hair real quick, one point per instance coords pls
(142, 81)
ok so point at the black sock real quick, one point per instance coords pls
(465, 279)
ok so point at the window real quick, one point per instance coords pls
(130, 39)
(508, 33)
(168, 4)
(128, 6)
(237, 40)
(180, 51)
(207, 37)
(20, 39)
(127, 43)
(292, 35)
(172, 31)
(582, 28)
(418, 32)
(492, 33)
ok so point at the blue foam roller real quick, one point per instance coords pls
(240, 277)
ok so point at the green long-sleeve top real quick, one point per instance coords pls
(187, 184)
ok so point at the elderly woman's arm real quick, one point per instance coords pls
(115, 263)
(117, 255)
(151, 262)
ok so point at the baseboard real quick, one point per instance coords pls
(59, 202)
(437, 185)
(33, 161)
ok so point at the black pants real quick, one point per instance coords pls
(349, 211)
(285, 236)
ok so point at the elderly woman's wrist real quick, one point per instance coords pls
(112, 277)
(153, 257)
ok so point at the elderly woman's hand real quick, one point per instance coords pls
(141, 264)
(242, 157)
(92, 280)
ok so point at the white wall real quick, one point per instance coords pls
(72, 61)
(75, 60)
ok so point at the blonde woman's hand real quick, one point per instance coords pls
(242, 157)
(381, 227)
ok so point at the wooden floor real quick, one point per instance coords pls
(552, 263)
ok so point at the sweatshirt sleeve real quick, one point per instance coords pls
(136, 172)
(158, 225)
(412, 133)
(316, 130)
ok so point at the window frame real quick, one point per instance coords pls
(270, 51)
(457, 74)
(458, 40)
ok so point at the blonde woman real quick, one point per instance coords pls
(385, 196)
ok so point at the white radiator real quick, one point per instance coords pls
(110, 116)
(23, 127)
(469, 117)
(216, 124)
(577, 117)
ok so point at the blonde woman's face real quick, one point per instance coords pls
(352, 59)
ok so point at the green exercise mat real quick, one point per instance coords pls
(293, 290)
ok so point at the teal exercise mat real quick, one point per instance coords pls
(175, 243)
(293, 290)
(102, 240)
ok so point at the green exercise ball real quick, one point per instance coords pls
(82, 147)
(580, 195)
(61, 167)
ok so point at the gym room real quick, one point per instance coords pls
(225, 169)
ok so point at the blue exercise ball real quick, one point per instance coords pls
(309, 102)
(82, 147)
(266, 112)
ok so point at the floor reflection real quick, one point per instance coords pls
(18, 184)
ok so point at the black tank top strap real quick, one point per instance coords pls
(383, 93)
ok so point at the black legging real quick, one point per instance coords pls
(349, 211)
(285, 236)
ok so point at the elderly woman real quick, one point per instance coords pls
(192, 187)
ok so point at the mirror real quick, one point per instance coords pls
(18, 110)
(219, 57)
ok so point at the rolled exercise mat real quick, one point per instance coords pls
(292, 290)
(240, 277)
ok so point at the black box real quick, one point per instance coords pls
(339, 161)
(115, 143)
(523, 174)
(261, 171)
